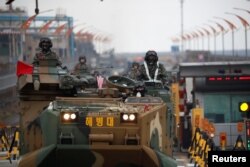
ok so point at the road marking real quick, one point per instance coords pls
(180, 160)
(190, 165)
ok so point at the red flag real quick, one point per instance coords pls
(207, 32)
(87, 36)
(220, 26)
(45, 27)
(23, 68)
(231, 25)
(183, 37)
(243, 21)
(27, 23)
(194, 35)
(175, 39)
(188, 36)
(201, 33)
(70, 30)
(59, 29)
(106, 39)
(79, 32)
(213, 29)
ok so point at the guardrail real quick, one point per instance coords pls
(201, 144)
(9, 150)
(7, 81)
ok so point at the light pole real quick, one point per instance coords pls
(193, 41)
(208, 38)
(195, 36)
(188, 37)
(202, 38)
(222, 29)
(182, 25)
(245, 25)
(248, 11)
(215, 33)
(183, 37)
(99, 38)
(232, 27)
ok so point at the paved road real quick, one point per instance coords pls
(182, 159)
(6, 163)
(7, 81)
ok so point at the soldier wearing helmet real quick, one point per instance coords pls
(82, 72)
(81, 67)
(151, 69)
(134, 72)
(45, 53)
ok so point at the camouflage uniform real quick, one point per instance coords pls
(48, 56)
(134, 72)
(81, 67)
(46, 53)
(82, 72)
(151, 64)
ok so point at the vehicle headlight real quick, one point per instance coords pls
(132, 117)
(73, 116)
(212, 135)
(69, 117)
(128, 117)
(125, 117)
(66, 116)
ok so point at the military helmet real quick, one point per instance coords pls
(45, 40)
(82, 57)
(151, 53)
(135, 64)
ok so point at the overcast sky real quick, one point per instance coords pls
(140, 25)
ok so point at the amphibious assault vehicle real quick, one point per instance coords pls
(67, 121)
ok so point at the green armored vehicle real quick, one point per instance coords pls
(66, 122)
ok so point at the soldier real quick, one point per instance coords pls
(151, 69)
(82, 72)
(134, 72)
(45, 46)
(81, 67)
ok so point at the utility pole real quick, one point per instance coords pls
(245, 25)
(182, 25)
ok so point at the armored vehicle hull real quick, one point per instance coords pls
(64, 123)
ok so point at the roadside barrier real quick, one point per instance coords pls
(200, 145)
(239, 144)
(10, 151)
